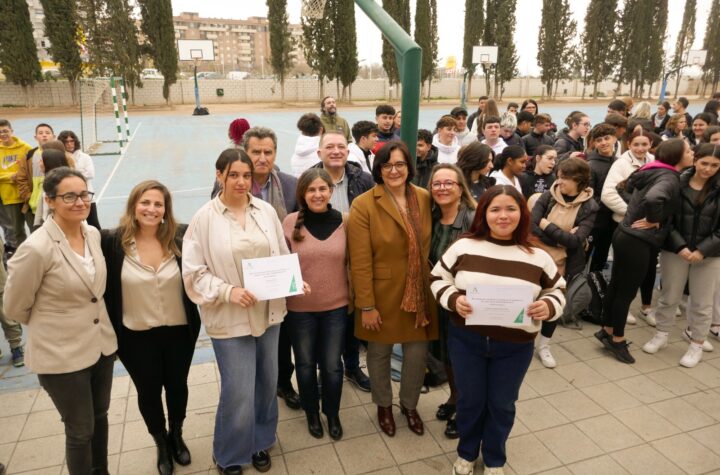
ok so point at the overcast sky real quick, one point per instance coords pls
(450, 23)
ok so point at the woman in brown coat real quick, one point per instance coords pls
(389, 238)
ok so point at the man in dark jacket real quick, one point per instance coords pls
(384, 117)
(350, 182)
(427, 158)
(330, 118)
(600, 159)
(538, 135)
(482, 100)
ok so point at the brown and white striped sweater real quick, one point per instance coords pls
(495, 262)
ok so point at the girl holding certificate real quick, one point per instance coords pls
(244, 331)
(490, 360)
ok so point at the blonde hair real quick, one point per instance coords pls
(643, 111)
(465, 195)
(128, 227)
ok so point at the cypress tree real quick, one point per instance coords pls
(318, 46)
(96, 37)
(345, 43)
(711, 44)
(557, 29)
(506, 67)
(474, 21)
(121, 30)
(280, 41)
(653, 57)
(157, 26)
(61, 27)
(490, 38)
(399, 10)
(433, 42)
(598, 40)
(424, 39)
(18, 53)
(685, 39)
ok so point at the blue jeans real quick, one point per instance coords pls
(318, 339)
(247, 414)
(488, 375)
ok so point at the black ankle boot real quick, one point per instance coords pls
(164, 460)
(179, 450)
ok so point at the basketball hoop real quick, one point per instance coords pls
(313, 8)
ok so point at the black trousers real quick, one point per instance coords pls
(159, 358)
(82, 398)
(628, 272)
(600, 245)
(285, 364)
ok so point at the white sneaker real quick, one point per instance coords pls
(649, 316)
(706, 346)
(659, 341)
(692, 356)
(463, 467)
(631, 320)
(678, 311)
(494, 471)
(715, 333)
(546, 357)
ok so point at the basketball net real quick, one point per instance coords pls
(313, 8)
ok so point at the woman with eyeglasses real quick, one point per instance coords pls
(84, 164)
(570, 141)
(453, 210)
(389, 241)
(55, 286)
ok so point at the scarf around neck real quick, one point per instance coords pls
(276, 198)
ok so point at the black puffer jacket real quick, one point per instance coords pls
(696, 227)
(565, 145)
(423, 168)
(599, 168)
(532, 141)
(655, 196)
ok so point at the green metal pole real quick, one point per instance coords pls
(409, 59)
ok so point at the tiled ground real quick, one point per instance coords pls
(591, 415)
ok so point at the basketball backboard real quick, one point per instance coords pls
(196, 50)
(485, 54)
(696, 57)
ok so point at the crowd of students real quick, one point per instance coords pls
(388, 248)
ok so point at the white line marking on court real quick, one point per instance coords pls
(176, 192)
(123, 152)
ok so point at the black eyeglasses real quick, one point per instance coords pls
(447, 184)
(72, 197)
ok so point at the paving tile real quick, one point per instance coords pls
(349, 398)
(56, 470)
(6, 451)
(202, 374)
(359, 455)
(17, 402)
(547, 382)
(644, 389)
(612, 369)
(132, 412)
(685, 452)
(428, 404)
(584, 349)
(116, 413)
(682, 414)
(526, 454)
(437, 430)
(199, 423)
(646, 363)
(561, 355)
(602, 465)
(203, 395)
(136, 436)
(115, 433)
(355, 422)
(580, 374)
(647, 423)
(705, 373)
(133, 462)
(575, 405)
(294, 435)
(201, 452)
(709, 436)
(609, 433)
(569, 444)
(407, 446)
(386, 471)
(428, 466)
(42, 402)
(527, 392)
(538, 414)
(707, 401)
(120, 387)
(644, 459)
(38, 453)
(610, 397)
(518, 428)
(42, 424)
(12, 427)
(677, 381)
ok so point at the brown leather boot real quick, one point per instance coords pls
(413, 419)
(386, 420)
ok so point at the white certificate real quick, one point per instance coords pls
(504, 305)
(273, 277)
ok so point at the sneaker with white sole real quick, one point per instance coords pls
(692, 356)
(706, 346)
(649, 316)
(463, 467)
(631, 320)
(546, 357)
(659, 341)
(678, 312)
(715, 333)
(494, 471)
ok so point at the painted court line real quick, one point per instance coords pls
(117, 164)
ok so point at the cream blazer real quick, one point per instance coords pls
(209, 270)
(49, 290)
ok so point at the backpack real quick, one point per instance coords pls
(598, 286)
(578, 297)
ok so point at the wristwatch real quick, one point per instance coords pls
(367, 309)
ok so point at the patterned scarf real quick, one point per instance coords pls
(275, 194)
(416, 278)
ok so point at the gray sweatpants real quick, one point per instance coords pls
(702, 277)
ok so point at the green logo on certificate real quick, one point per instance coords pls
(520, 316)
(293, 287)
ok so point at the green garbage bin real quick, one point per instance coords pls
(220, 92)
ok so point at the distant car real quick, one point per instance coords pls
(150, 73)
(238, 75)
(52, 72)
(209, 75)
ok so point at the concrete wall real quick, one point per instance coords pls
(57, 93)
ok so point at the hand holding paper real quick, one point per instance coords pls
(274, 277)
(502, 305)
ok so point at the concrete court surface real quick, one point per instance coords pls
(589, 415)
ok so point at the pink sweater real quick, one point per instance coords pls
(323, 266)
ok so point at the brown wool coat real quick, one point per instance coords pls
(378, 263)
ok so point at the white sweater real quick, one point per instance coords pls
(620, 170)
(305, 154)
(447, 153)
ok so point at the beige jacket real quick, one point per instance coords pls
(49, 291)
(209, 270)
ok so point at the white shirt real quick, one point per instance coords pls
(498, 147)
(356, 155)
(84, 164)
(501, 179)
(447, 153)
